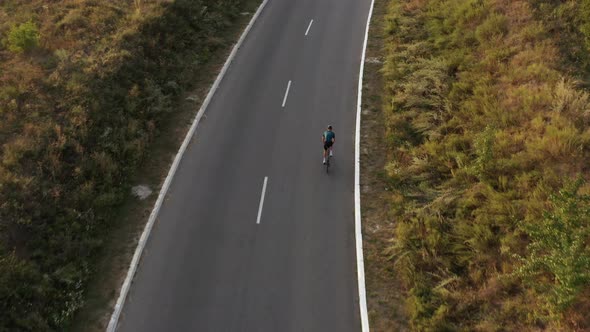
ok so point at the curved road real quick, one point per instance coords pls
(208, 265)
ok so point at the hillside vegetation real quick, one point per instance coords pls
(84, 88)
(488, 140)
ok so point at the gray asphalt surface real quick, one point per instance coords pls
(208, 266)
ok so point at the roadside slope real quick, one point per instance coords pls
(487, 146)
(81, 104)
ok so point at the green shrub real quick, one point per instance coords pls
(559, 260)
(23, 37)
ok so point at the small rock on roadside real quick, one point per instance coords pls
(375, 229)
(142, 191)
(245, 13)
(193, 98)
(373, 60)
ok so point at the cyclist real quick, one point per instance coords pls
(328, 138)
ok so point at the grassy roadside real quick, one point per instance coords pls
(93, 100)
(384, 294)
(116, 255)
(479, 212)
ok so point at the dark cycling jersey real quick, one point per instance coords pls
(329, 135)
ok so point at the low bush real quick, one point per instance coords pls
(23, 37)
(558, 249)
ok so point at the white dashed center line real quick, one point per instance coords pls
(262, 200)
(308, 27)
(286, 94)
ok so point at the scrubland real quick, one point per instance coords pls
(486, 112)
(85, 88)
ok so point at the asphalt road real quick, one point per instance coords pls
(208, 265)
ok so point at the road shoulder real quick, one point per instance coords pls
(384, 294)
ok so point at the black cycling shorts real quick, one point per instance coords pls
(328, 145)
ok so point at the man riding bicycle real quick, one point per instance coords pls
(328, 138)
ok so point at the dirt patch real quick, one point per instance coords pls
(384, 294)
(117, 253)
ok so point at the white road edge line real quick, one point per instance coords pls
(309, 27)
(154, 214)
(286, 94)
(261, 200)
(360, 263)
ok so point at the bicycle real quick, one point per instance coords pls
(328, 157)
(328, 138)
